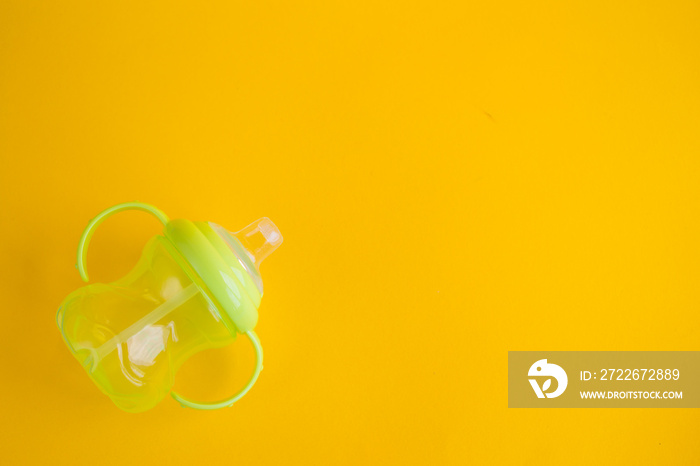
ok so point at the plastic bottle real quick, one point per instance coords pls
(194, 288)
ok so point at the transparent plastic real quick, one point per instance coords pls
(252, 245)
(133, 335)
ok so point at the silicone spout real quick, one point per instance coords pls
(252, 245)
(259, 239)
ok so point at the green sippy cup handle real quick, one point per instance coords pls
(229, 401)
(95, 222)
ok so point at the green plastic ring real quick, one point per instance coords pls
(184, 402)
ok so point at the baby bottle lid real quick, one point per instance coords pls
(228, 263)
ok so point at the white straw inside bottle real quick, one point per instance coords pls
(149, 319)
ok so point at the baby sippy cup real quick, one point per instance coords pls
(194, 288)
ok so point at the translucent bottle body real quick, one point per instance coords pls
(133, 335)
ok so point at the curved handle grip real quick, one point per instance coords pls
(95, 222)
(229, 401)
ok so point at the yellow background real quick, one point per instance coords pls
(453, 180)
